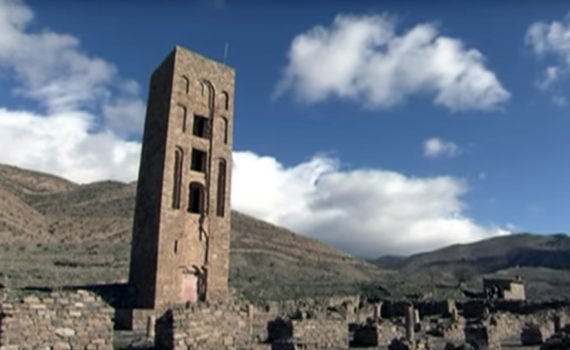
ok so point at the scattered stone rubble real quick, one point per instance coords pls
(80, 320)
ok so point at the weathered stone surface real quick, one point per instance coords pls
(56, 322)
(65, 332)
(184, 184)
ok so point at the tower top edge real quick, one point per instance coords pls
(185, 51)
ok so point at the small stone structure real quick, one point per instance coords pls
(59, 321)
(504, 288)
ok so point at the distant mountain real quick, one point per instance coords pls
(54, 231)
(542, 260)
(487, 256)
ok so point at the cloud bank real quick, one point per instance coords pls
(363, 211)
(87, 111)
(363, 59)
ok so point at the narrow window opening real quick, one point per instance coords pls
(198, 160)
(220, 209)
(196, 200)
(226, 100)
(177, 181)
(182, 116)
(200, 127)
(175, 246)
(225, 130)
(186, 83)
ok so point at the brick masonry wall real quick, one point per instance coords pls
(60, 321)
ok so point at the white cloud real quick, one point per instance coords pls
(87, 109)
(551, 40)
(435, 147)
(362, 58)
(363, 211)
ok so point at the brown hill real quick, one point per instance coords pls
(542, 260)
(55, 232)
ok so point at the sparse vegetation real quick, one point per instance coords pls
(80, 235)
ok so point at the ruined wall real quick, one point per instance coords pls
(203, 326)
(320, 334)
(59, 321)
(308, 333)
(314, 323)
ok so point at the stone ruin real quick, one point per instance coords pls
(58, 321)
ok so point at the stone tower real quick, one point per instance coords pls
(181, 229)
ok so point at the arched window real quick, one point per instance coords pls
(182, 111)
(207, 85)
(226, 100)
(196, 198)
(177, 180)
(221, 207)
(186, 83)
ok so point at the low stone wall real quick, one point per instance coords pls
(59, 321)
(308, 333)
(320, 334)
(509, 325)
(204, 326)
(375, 333)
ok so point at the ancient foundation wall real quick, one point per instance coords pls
(308, 333)
(203, 326)
(59, 321)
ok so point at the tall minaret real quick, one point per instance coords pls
(181, 230)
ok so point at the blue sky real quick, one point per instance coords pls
(379, 127)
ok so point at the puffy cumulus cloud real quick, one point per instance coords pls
(367, 212)
(551, 40)
(362, 58)
(86, 110)
(435, 147)
(60, 144)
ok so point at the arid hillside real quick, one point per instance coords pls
(54, 232)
